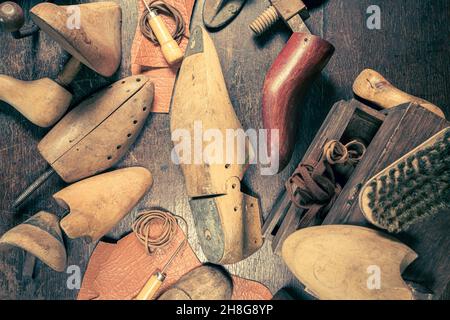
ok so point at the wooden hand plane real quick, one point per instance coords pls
(95, 42)
(227, 220)
(97, 133)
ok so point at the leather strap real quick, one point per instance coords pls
(313, 185)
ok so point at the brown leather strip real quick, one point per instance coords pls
(313, 187)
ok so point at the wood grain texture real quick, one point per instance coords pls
(98, 203)
(287, 82)
(97, 133)
(41, 101)
(374, 88)
(333, 262)
(99, 48)
(429, 238)
(412, 55)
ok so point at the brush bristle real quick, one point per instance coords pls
(416, 189)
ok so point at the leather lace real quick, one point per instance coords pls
(166, 9)
(142, 228)
(313, 185)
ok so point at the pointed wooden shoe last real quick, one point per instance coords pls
(227, 220)
(98, 203)
(201, 95)
(97, 42)
(42, 101)
(41, 236)
(207, 282)
(339, 261)
(98, 132)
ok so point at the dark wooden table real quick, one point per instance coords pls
(411, 49)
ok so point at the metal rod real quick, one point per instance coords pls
(35, 185)
(25, 32)
(28, 266)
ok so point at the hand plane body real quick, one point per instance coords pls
(99, 131)
(285, 85)
(227, 230)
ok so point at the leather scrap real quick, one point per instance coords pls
(146, 57)
(118, 271)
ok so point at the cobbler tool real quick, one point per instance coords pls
(154, 28)
(40, 236)
(342, 262)
(12, 19)
(413, 188)
(218, 13)
(45, 101)
(98, 203)
(389, 135)
(118, 271)
(97, 133)
(92, 208)
(373, 87)
(386, 135)
(207, 282)
(292, 12)
(142, 229)
(290, 76)
(227, 220)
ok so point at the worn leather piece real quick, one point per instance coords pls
(146, 57)
(118, 271)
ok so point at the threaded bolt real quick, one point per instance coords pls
(264, 21)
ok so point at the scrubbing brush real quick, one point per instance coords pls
(413, 188)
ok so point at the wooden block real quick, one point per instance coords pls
(404, 128)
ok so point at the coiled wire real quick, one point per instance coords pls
(143, 223)
(166, 9)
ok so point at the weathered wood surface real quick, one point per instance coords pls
(430, 239)
(411, 50)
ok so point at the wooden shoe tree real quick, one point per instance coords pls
(97, 133)
(337, 262)
(40, 236)
(42, 101)
(97, 42)
(373, 87)
(227, 220)
(45, 101)
(98, 203)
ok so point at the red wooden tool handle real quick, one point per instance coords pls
(287, 81)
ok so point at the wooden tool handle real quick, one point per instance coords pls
(151, 287)
(373, 87)
(69, 72)
(12, 17)
(287, 81)
(169, 47)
